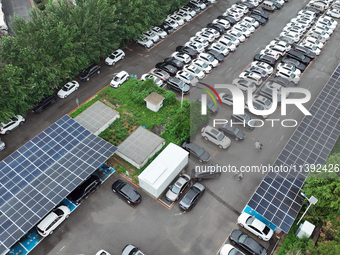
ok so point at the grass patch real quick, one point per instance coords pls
(336, 148)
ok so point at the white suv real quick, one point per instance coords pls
(15, 121)
(213, 135)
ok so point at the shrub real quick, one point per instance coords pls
(41, 6)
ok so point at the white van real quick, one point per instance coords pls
(317, 5)
(269, 6)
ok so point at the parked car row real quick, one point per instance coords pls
(301, 40)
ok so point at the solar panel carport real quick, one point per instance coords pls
(41, 173)
(277, 199)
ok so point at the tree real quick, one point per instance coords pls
(325, 186)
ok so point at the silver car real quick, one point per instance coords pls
(178, 188)
(213, 135)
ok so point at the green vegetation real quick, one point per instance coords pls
(54, 45)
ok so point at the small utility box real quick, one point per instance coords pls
(154, 101)
(305, 230)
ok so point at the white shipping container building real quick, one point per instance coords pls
(163, 170)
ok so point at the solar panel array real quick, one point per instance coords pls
(40, 174)
(278, 196)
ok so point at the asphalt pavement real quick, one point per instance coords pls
(104, 221)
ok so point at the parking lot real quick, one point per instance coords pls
(104, 221)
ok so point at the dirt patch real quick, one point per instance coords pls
(159, 129)
(121, 165)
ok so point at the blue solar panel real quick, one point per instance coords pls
(41, 173)
(278, 196)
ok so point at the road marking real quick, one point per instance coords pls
(128, 180)
(323, 68)
(229, 69)
(191, 28)
(316, 77)
(238, 60)
(171, 43)
(177, 214)
(281, 138)
(61, 249)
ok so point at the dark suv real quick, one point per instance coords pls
(178, 85)
(88, 72)
(299, 56)
(84, 189)
(40, 106)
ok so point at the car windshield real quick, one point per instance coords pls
(175, 189)
(220, 137)
(204, 65)
(242, 238)
(200, 152)
(65, 88)
(117, 78)
(181, 84)
(196, 70)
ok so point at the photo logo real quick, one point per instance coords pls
(204, 97)
(239, 100)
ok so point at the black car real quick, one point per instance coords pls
(298, 56)
(249, 5)
(126, 191)
(217, 27)
(266, 59)
(167, 68)
(190, 51)
(244, 119)
(167, 28)
(216, 55)
(247, 243)
(276, 4)
(194, 7)
(260, 71)
(41, 105)
(231, 20)
(304, 51)
(178, 85)
(84, 189)
(174, 62)
(198, 152)
(282, 81)
(235, 132)
(259, 19)
(211, 106)
(261, 13)
(88, 72)
(191, 197)
(294, 62)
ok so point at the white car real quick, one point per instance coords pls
(185, 76)
(145, 42)
(289, 75)
(294, 36)
(269, 69)
(279, 49)
(196, 46)
(212, 31)
(115, 56)
(320, 32)
(220, 48)
(202, 65)
(151, 36)
(283, 44)
(224, 23)
(251, 21)
(253, 77)
(53, 220)
(68, 89)
(184, 15)
(172, 23)
(271, 53)
(235, 10)
(177, 19)
(232, 38)
(189, 11)
(242, 30)
(324, 27)
(335, 13)
(213, 135)
(234, 15)
(247, 26)
(237, 34)
(200, 4)
(206, 35)
(2, 145)
(102, 252)
(288, 67)
(185, 58)
(207, 58)
(227, 43)
(294, 29)
(193, 70)
(228, 249)
(255, 226)
(119, 79)
(201, 40)
(314, 41)
(307, 13)
(16, 121)
(158, 81)
(303, 21)
(240, 7)
(312, 47)
(331, 21)
(244, 85)
(160, 32)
